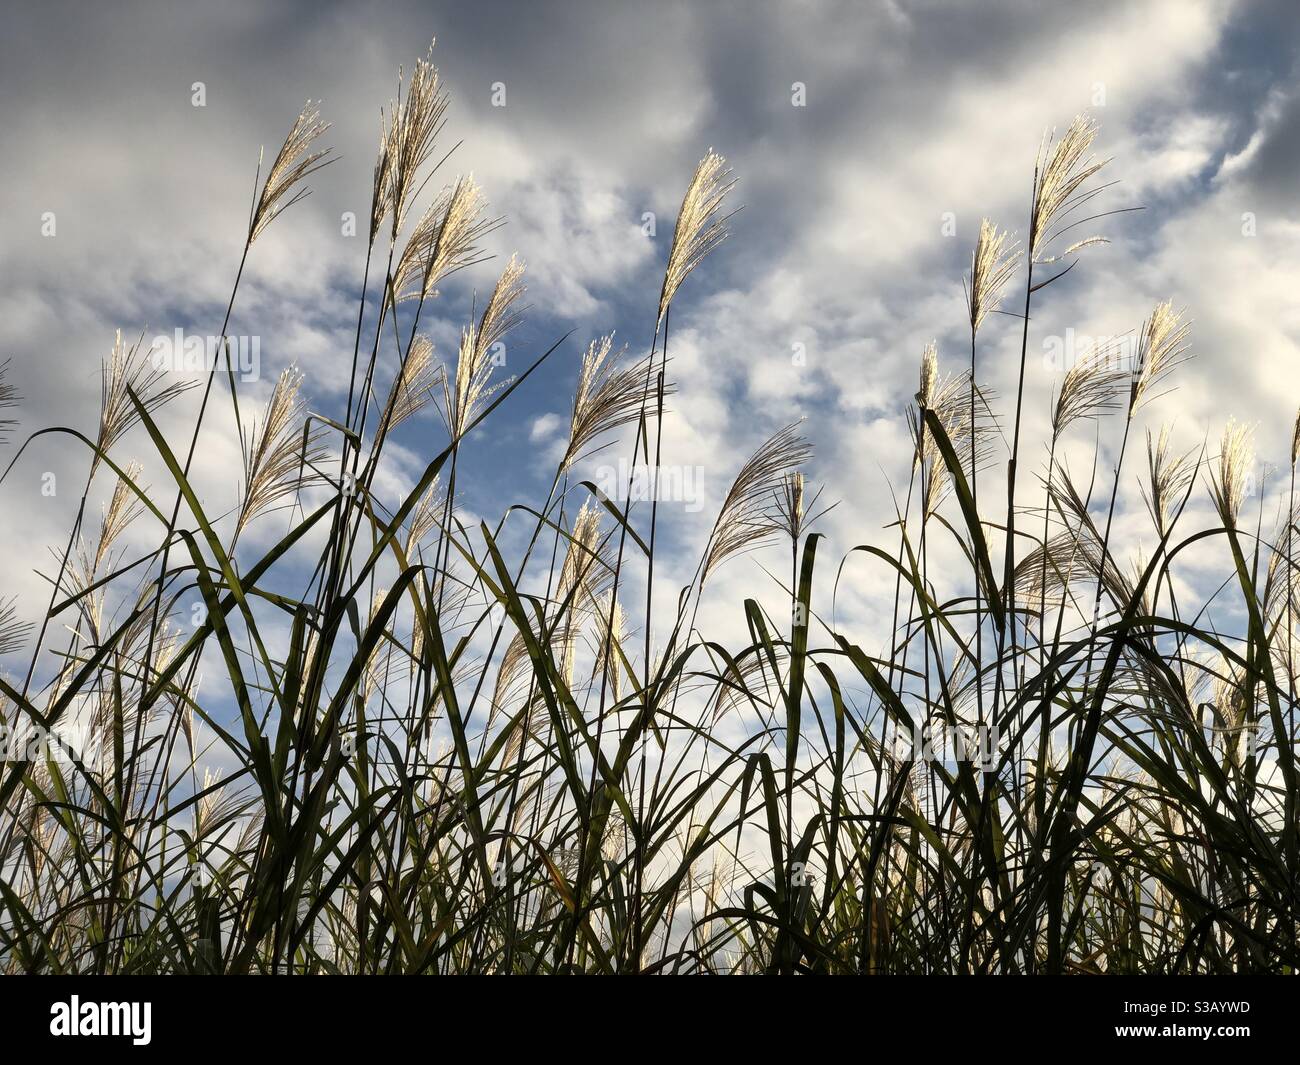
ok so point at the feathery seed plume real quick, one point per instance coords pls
(413, 126)
(278, 460)
(1228, 486)
(698, 230)
(745, 520)
(413, 387)
(1063, 169)
(465, 394)
(992, 263)
(608, 396)
(293, 164)
(1091, 386)
(444, 240)
(1162, 346)
(129, 370)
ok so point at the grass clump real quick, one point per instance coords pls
(446, 757)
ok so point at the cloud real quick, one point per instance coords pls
(544, 428)
(837, 271)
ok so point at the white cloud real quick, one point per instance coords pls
(912, 113)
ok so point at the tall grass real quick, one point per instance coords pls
(453, 757)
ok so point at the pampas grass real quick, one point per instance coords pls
(1229, 483)
(993, 264)
(294, 163)
(452, 744)
(128, 371)
(467, 392)
(444, 241)
(745, 519)
(282, 454)
(1162, 346)
(415, 385)
(700, 225)
(609, 395)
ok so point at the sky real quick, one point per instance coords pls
(868, 140)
